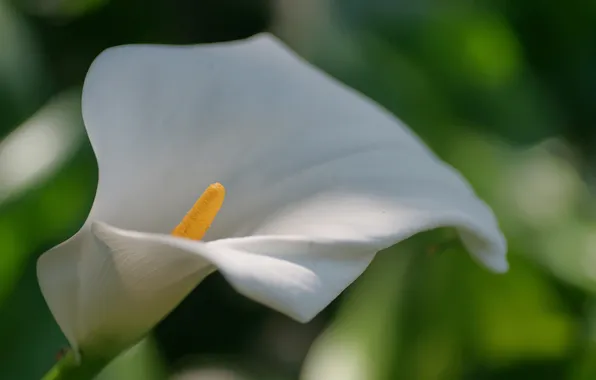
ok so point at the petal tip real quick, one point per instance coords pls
(496, 263)
(501, 268)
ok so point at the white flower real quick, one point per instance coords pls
(318, 180)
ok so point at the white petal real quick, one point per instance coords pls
(106, 299)
(167, 121)
(318, 175)
(59, 282)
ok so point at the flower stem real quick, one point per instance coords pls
(69, 368)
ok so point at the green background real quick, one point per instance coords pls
(503, 90)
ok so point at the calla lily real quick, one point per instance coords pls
(318, 179)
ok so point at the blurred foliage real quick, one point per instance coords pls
(505, 91)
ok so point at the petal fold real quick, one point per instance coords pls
(106, 296)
